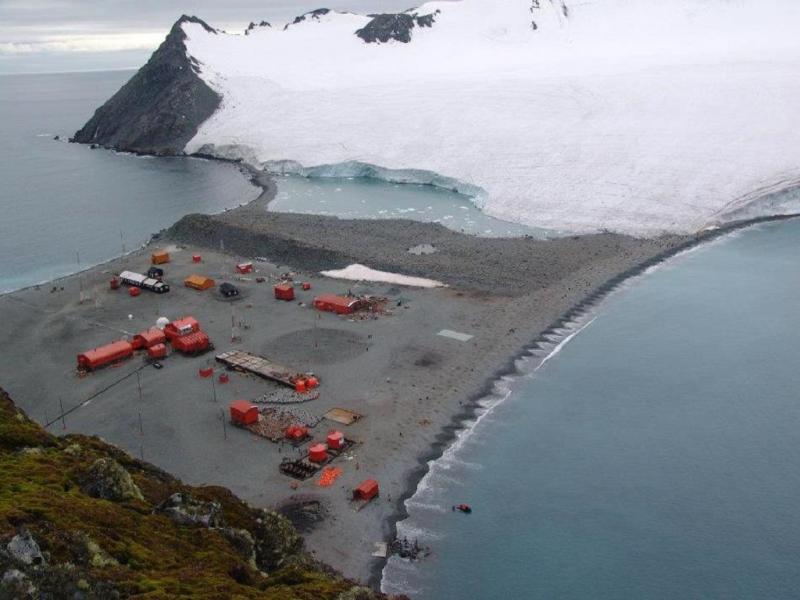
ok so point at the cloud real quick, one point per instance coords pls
(108, 42)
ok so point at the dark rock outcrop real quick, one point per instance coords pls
(385, 27)
(24, 549)
(314, 14)
(253, 26)
(184, 509)
(108, 480)
(160, 109)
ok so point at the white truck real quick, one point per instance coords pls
(144, 282)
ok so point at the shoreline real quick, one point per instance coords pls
(537, 308)
(465, 420)
(250, 174)
(472, 405)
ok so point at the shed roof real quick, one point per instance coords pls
(335, 300)
(242, 406)
(199, 280)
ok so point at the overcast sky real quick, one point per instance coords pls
(70, 35)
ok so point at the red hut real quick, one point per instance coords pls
(192, 343)
(180, 327)
(366, 490)
(318, 453)
(113, 283)
(335, 440)
(196, 258)
(134, 291)
(244, 268)
(157, 351)
(159, 257)
(243, 412)
(296, 433)
(148, 338)
(105, 355)
(341, 305)
(284, 291)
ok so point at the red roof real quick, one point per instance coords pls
(105, 354)
(149, 337)
(242, 406)
(335, 300)
(184, 321)
(367, 489)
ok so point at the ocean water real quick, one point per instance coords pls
(655, 455)
(365, 198)
(66, 207)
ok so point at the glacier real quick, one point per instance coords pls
(635, 116)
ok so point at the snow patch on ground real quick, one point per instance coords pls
(358, 272)
(638, 116)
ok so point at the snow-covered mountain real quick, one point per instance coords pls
(633, 115)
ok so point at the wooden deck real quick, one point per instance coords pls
(258, 365)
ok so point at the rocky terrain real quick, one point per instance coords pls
(160, 109)
(386, 27)
(80, 518)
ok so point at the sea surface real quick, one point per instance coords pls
(65, 207)
(655, 454)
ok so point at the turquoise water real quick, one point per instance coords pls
(656, 455)
(63, 203)
(365, 198)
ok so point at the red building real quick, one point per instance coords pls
(192, 343)
(335, 440)
(105, 355)
(284, 291)
(318, 453)
(180, 327)
(341, 305)
(148, 338)
(157, 351)
(366, 490)
(243, 412)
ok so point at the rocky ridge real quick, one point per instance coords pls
(161, 108)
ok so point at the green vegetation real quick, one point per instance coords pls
(105, 525)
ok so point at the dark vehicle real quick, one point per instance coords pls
(155, 273)
(228, 290)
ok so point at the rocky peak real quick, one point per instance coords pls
(314, 14)
(398, 26)
(253, 26)
(160, 109)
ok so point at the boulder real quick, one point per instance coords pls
(24, 549)
(107, 479)
(243, 541)
(184, 509)
(357, 593)
(15, 584)
(276, 540)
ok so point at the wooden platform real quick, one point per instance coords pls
(258, 365)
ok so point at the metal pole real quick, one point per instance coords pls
(141, 451)
(139, 383)
(214, 387)
(141, 429)
(224, 425)
(63, 422)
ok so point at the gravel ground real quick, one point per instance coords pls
(412, 385)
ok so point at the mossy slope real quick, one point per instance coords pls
(97, 548)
